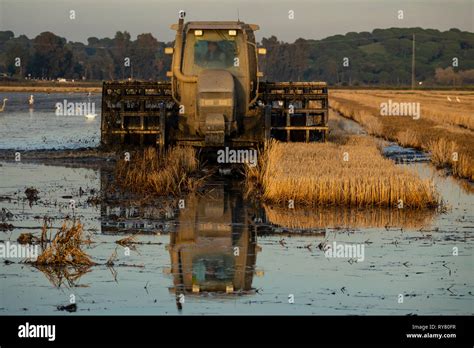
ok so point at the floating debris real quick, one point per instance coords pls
(31, 194)
(127, 241)
(27, 238)
(68, 308)
(6, 227)
(6, 214)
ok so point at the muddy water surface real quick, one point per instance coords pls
(214, 252)
(405, 253)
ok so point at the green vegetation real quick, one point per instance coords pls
(373, 48)
(382, 57)
(49, 56)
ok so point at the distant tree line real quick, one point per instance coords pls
(49, 56)
(382, 57)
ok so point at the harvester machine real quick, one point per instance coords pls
(215, 96)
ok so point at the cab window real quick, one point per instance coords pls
(214, 54)
(213, 49)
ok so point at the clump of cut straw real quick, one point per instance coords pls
(172, 173)
(353, 174)
(65, 248)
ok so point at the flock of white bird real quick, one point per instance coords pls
(450, 100)
(31, 102)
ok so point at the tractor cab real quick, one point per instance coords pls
(215, 70)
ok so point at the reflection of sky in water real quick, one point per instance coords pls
(418, 264)
(459, 202)
(22, 128)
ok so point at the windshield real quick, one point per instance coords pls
(214, 54)
(214, 49)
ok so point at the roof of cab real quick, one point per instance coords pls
(217, 25)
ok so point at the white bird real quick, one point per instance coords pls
(90, 116)
(449, 99)
(458, 100)
(31, 101)
(3, 106)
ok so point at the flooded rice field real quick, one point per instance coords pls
(44, 126)
(214, 252)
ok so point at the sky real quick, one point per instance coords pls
(312, 19)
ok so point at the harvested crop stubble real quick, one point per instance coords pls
(434, 104)
(446, 153)
(65, 248)
(371, 123)
(148, 172)
(317, 174)
(436, 135)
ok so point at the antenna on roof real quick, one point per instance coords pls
(238, 15)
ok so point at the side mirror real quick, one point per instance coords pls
(169, 50)
(262, 51)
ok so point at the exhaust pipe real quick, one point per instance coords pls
(178, 48)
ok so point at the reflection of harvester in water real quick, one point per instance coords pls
(212, 250)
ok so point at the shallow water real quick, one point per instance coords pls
(38, 127)
(197, 244)
(278, 249)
